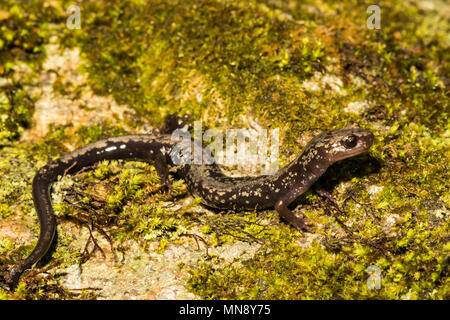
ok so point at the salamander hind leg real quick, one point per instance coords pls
(173, 122)
(162, 169)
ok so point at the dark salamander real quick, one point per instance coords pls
(205, 181)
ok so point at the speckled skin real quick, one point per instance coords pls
(205, 181)
(281, 189)
(223, 192)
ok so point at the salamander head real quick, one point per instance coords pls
(343, 143)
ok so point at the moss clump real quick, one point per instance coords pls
(16, 109)
(24, 30)
(178, 55)
(334, 268)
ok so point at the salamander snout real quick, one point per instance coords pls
(344, 143)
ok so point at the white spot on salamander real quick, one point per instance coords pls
(111, 148)
(123, 146)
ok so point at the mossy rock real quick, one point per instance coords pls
(303, 67)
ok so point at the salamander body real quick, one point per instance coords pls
(206, 181)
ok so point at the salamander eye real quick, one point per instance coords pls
(350, 141)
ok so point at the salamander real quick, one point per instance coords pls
(206, 181)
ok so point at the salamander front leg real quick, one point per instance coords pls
(300, 223)
(162, 170)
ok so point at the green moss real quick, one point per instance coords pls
(24, 30)
(191, 56)
(16, 109)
